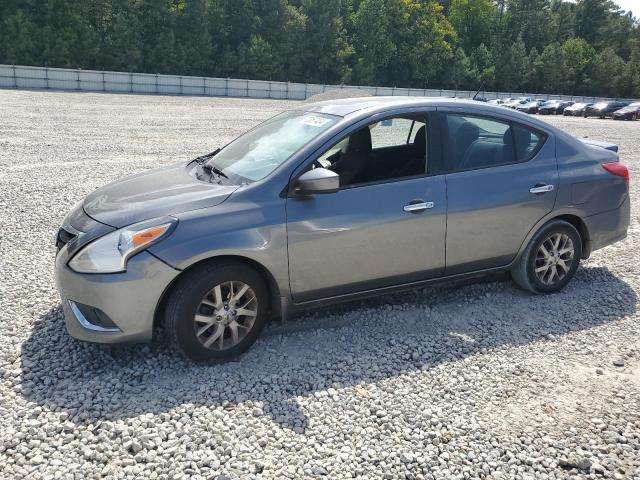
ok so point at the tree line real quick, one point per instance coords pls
(589, 47)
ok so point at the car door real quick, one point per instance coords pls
(501, 180)
(369, 234)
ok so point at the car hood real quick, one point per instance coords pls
(155, 193)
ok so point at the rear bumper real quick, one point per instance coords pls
(128, 299)
(609, 227)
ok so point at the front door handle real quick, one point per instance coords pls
(541, 188)
(418, 206)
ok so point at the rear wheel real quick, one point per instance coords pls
(217, 311)
(550, 260)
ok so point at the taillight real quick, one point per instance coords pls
(617, 169)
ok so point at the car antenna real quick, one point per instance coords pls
(479, 90)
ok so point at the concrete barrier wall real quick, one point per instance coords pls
(24, 77)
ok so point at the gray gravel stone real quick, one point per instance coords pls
(464, 381)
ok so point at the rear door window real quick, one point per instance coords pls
(479, 142)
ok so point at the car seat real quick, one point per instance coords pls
(352, 163)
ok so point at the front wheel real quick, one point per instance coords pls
(217, 311)
(550, 260)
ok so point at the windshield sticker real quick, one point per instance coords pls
(315, 121)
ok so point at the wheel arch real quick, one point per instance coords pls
(272, 285)
(579, 224)
(568, 216)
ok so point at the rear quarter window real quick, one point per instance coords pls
(527, 142)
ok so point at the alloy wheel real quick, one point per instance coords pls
(554, 258)
(225, 315)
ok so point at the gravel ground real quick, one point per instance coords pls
(475, 380)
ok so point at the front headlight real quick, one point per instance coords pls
(109, 254)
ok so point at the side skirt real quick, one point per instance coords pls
(288, 307)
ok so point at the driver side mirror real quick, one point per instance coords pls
(318, 180)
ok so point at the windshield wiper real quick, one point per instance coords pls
(213, 169)
(202, 158)
(210, 169)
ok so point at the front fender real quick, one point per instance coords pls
(241, 228)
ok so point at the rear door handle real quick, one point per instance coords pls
(418, 207)
(541, 188)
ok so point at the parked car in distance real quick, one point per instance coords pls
(496, 101)
(603, 109)
(329, 202)
(517, 102)
(576, 110)
(531, 107)
(553, 107)
(630, 112)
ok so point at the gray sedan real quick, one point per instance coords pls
(330, 202)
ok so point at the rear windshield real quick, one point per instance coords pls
(260, 151)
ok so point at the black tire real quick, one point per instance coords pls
(185, 299)
(523, 272)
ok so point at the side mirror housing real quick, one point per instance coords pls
(318, 180)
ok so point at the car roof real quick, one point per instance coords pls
(347, 106)
(368, 106)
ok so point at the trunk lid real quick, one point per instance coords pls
(596, 143)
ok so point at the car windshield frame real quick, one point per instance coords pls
(269, 145)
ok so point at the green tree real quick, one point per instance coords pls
(629, 82)
(606, 72)
(529, 20)
(576, 55)
(553, 68)
(372, 37)
(18, 40)
(511, 68)
(591, 18)
(458, 75)
(423, 39)
(123, 45)
(535, 72)
(483, 66)
(472, 21)
(325, 48)
(193, 37)
(562, 20)
(542, 45)
(288, 47)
